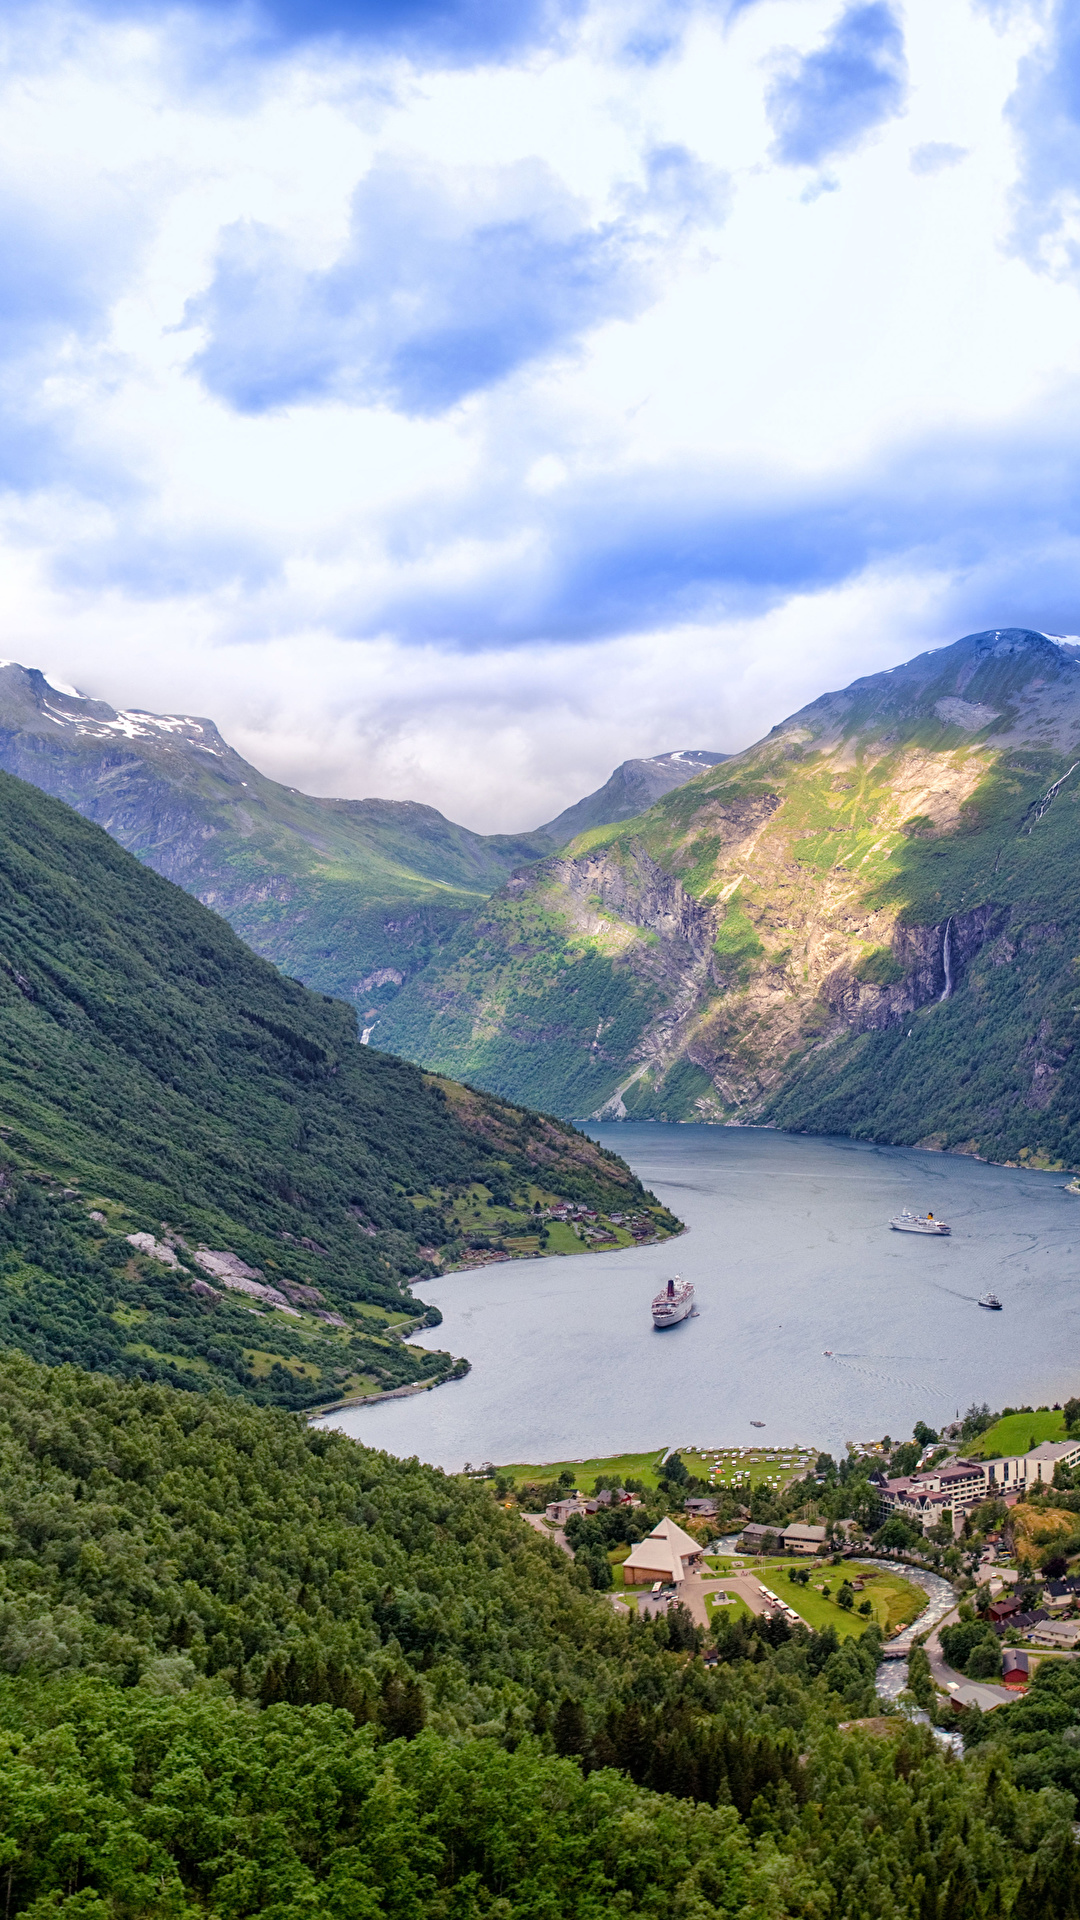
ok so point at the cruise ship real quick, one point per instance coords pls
(676, 1301)
(918, 1223)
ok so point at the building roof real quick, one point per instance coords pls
(972, 1695)
(663, 1550)
(1053, 1449)
(669, 1529)
(1065, 1632)
(800, 1532)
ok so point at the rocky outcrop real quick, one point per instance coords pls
(920, 953)
(640, 892)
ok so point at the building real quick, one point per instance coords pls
(1051, 1454)
(1055, 1633)
(1019, 1622)
(667, 1554)
(559, 1511)
(971, 1694)
(755, 1538)
(947, 1491)
(701, 1509)
(800, 1539)
(1017, 1669)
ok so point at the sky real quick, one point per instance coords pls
(453, 399)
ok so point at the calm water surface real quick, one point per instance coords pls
(789, 1250)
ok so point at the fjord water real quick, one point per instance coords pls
(789, 1249)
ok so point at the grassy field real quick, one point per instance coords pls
(724, 1615)
(622, 1466)
(720, 1466)
(748, 1466)
(894, 1602)
(1016, 1433)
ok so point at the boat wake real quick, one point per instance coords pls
(893, 1379)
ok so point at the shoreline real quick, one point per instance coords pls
(426, 1280)
(1072, 1174)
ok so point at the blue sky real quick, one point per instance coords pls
(454, 399)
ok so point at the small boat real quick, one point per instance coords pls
(991, 1300)
(918, 1223)
(757, 1423)
(827, 1353)
(673, 1305)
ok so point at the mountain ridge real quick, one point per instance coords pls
(754, 945)
(350, 896)
(633, 786)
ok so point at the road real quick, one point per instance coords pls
(946, 1676)
(555, 1534)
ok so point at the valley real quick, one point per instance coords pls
(350, 896)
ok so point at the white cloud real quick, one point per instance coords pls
(790, 461)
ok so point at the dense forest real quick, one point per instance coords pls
(157, 1078)
(250, 1668)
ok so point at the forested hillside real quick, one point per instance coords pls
(157, 1078)
(867, 923)
(252, 1669)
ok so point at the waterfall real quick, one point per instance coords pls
(946, 957)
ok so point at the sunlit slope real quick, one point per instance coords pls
(769, 942)
(349, 895)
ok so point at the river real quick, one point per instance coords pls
(790, 1253)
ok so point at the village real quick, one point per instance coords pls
(815, 1574)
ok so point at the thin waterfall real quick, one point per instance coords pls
(946, 956)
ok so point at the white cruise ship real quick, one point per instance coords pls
(918, 1223)
(676, 1301)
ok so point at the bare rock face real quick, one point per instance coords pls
(240, 1278)
(154, 1249)
(920, 953)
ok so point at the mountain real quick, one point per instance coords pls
(631, 789)
(350, 896)
(158, 1080)
(866, 923)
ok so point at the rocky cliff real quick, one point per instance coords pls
(866, 922)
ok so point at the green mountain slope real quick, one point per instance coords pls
(867, 922)
(157, 1078)
(351, 896)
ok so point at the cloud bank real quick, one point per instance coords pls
(454, 399)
